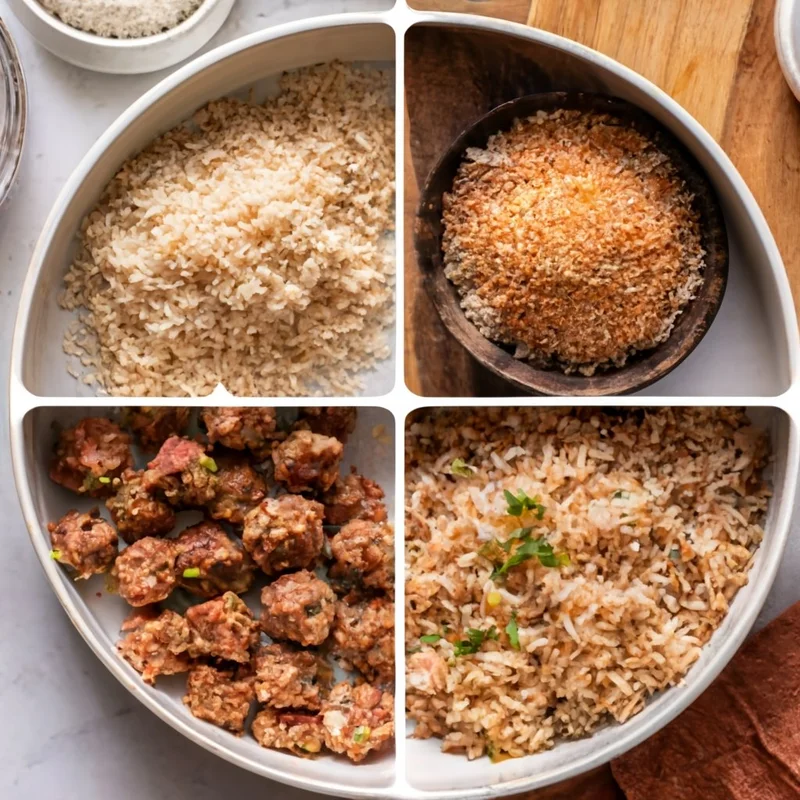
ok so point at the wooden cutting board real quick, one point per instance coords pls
(715, 57)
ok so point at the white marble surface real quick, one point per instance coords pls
(69, 729)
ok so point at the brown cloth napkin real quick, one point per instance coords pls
(740, 740)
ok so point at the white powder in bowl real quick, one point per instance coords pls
(122, 19)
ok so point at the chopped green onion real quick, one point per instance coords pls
(461, 468)
(55, 555)
(513, 631)
(621, 495)
(208, 463)
(520, 503)
(430, 638)
(361, 734)
(313, 610)
(104, 479)
(412, 650)
(675, 554)
(192, 572)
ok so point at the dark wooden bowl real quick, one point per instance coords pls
(642, 368)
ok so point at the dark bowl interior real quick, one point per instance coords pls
(642, 368)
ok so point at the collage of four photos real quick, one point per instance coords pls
(402, 398)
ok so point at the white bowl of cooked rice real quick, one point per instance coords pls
(131, 38)
(233, 227)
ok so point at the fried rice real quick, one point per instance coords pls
(635, 530)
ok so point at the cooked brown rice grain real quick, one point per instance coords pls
(250, 247)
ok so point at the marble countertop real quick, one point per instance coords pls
(71, 731)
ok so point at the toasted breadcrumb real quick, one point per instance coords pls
(572, 237)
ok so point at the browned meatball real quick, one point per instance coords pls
(144, 572)
(153, 426)
(84, 542)
(354, 497)
(136, 511)
(239, 489)
(252, 429)
(284, 533)
(363, 638)
(299, 607)
(90, 455)
(184, 472)
(216, 696)
(299, 733)
(307, 461)
(155, 644)
(364, 555)
(209, 562)
(286, 677)
(357, 720)
(338, 422)
(222, 628)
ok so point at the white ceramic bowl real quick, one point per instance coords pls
(123, 56)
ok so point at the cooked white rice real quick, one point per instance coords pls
(659, 513)
(249, 248)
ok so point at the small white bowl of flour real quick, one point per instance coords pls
(122, 36)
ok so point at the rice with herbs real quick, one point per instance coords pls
(248, 248)
(634, 531)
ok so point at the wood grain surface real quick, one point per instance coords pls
(716, 57)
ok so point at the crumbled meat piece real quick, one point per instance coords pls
(90, 455)
(222, 628)
(184, 472)
(144, 572)
(284, 533)
(216, 696)
(152, 426)
(299, 607)
(210, 563)
(155, 643)
(287, 677)
(354, 497)
(364, 555)
(426, 672)
(307, 461)
(84, 542)
(299, 733)
(357, 720)
(336, 421)
(238, 489)
(363, 638)
(136, 511)
(252, 429)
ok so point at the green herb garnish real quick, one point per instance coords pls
(520, 503)
(474, 641)
(675, 554)
(461, 468)
(430, 638)
(191, 572)
(208, 463)
(532, 548)
(513, 631)
(104, 479)
(55, 555)
(361, 734)
(621, 495)
(517, 533)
